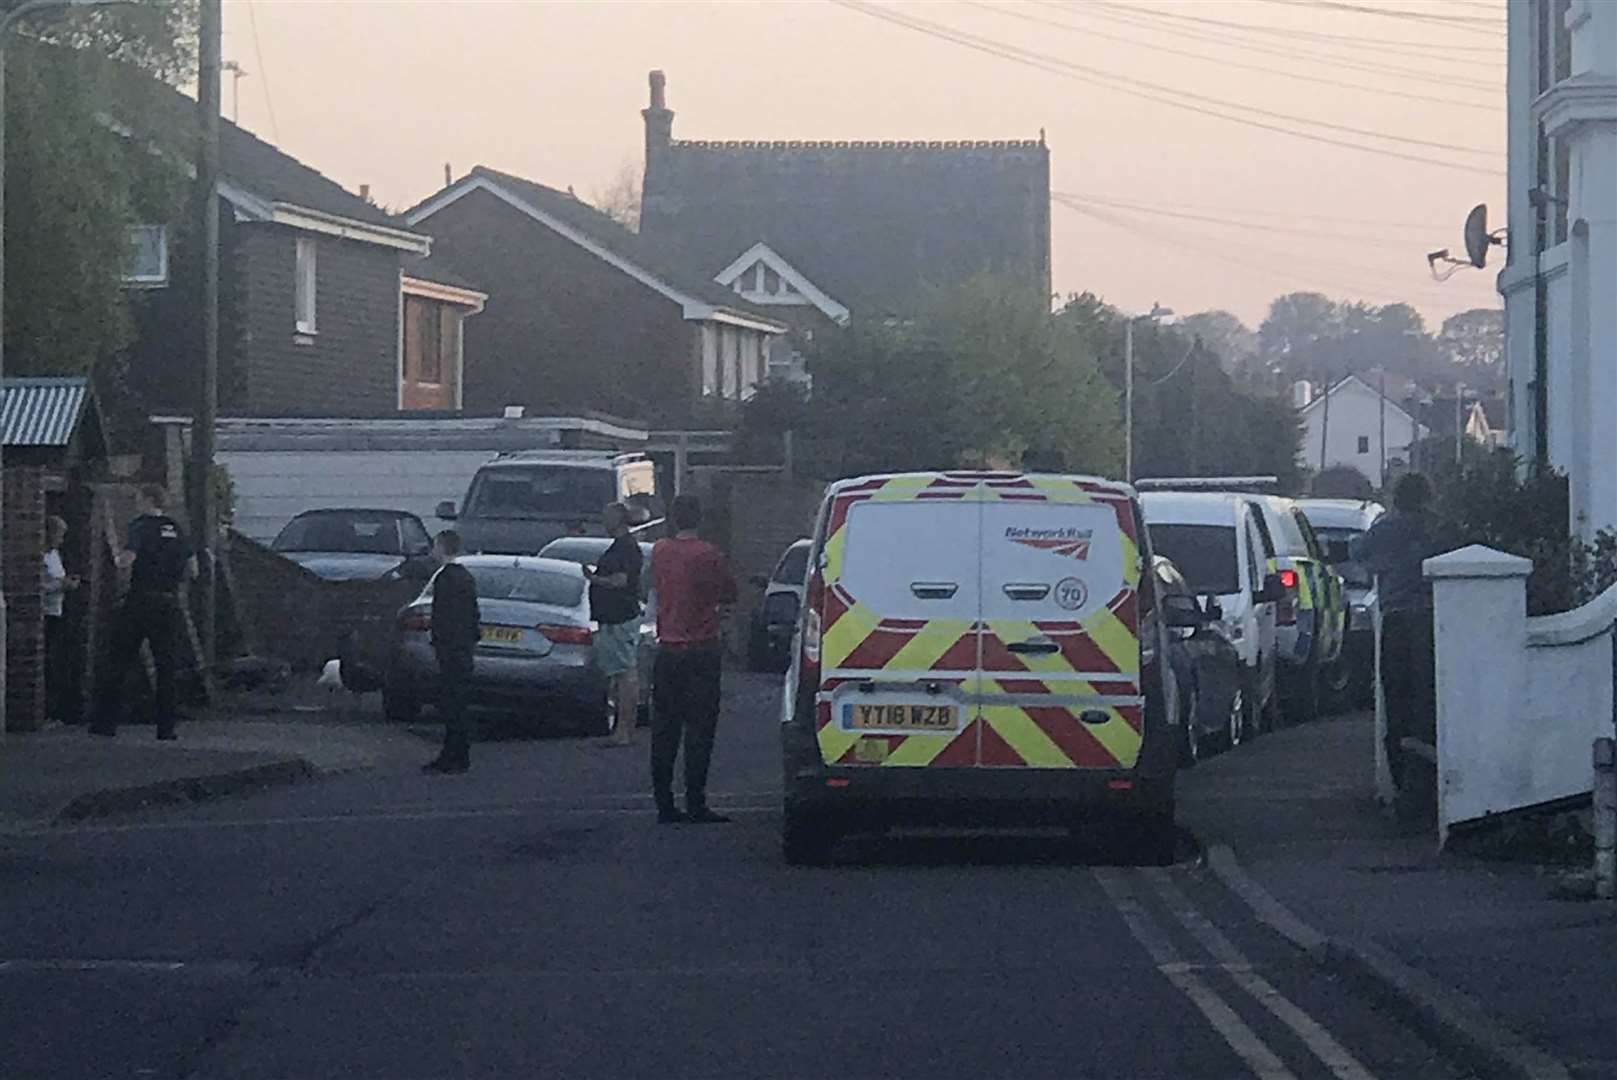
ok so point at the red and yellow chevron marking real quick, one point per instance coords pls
(1097, 659)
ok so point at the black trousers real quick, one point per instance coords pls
(686, 691)
(1408, 682)
(145, 619)
(454, 689)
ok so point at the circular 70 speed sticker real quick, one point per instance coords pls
(1071, 593)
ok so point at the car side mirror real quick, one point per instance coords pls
(446, 510)
(1272, 592)
(1181, 612)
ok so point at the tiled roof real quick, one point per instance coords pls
(872, 223)
(42, 411)
(156, 112)
(606, 233)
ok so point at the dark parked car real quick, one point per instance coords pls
(1205, 665)
(357, 545)
(774, 620)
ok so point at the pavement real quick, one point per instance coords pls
(63, 774)
(530, 918)
(1483, 956)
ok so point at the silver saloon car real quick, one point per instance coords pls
(534, 658)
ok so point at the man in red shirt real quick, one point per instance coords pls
(693, 582)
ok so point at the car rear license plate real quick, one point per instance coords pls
(505, 635)
(901, 717)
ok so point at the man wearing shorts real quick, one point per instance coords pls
(615, 607)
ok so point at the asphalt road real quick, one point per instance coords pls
(530, 919)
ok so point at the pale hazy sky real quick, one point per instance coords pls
(385, 92)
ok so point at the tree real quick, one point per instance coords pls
(1190, 418)
(71, 182)
(1296, 325)
(619, 199)
(984, 376)
(1474, 341)
(1231, 339)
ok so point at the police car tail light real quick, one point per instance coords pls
(566, 635)
(416, 621)
(1288, 578)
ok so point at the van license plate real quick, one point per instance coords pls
(901, 717)
(507, 635)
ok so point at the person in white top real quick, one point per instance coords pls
(58, 583)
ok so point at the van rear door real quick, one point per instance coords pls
(899, 647)
(1060, 684)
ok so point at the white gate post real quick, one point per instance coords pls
(1479, 600)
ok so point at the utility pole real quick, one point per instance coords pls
(1381, 477)
(204, 514)
(1459, 428)
(1128, 401)
(237, 73)
(1325, 424)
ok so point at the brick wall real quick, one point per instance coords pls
(351, 364)
(24, 566)
(291, 614)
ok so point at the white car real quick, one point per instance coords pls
(769, 636)
(1214, 540)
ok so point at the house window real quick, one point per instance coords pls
(731, 362)
(304, 290)
(148, 256)
(710, 360)
(751, 361)
(1364, 444)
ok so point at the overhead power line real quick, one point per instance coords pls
(1159, 47)
(1472, 23)
(1423, 48)
(1174, 98)
(1150, 19)
(263, 71)
(1265, 227)
(1402, 226)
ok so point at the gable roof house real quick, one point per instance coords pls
(585, 315)
(1350, 425)
(829, 230)
(328, 303)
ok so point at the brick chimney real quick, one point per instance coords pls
(659, 134)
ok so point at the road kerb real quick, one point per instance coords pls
(184, 789)
(1454, 1022)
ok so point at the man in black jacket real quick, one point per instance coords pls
(455, 634)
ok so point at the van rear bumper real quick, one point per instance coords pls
(987, 796)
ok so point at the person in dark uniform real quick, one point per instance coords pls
(159, 560)
(455, 633)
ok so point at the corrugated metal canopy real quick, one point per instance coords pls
(42, 411)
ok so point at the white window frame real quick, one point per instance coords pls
(132, 275)
(710, 360)
(305, 288)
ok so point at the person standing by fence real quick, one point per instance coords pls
(693, 582)
(58, 583)
(1394, 549)
(159, 560)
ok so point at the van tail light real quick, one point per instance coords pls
(566, 635)
(813, 604)
(413, 620)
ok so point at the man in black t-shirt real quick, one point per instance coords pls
(456, 619)
(159, 560)
(615, 607)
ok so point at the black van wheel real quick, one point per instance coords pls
(805, 842)
(1157, 837)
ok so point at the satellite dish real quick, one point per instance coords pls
(1477, 240)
